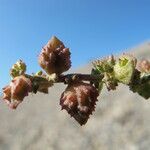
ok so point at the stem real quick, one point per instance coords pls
(66, 78)
(78, 77)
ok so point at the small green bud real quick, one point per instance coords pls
(105, 65)
(19, 68)
(110, 81)
(124, 69)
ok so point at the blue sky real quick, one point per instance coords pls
(91, 28)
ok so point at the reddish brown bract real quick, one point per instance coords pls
(14, 93)
(54, 57)
(79, 100)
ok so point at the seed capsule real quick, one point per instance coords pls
(79, 100)
(14, 93)
(55, 57)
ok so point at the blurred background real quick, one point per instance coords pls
(91, 29)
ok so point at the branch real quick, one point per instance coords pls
(80, 96)
(75, 77)
(66, 78)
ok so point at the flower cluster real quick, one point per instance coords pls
(82, 91)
